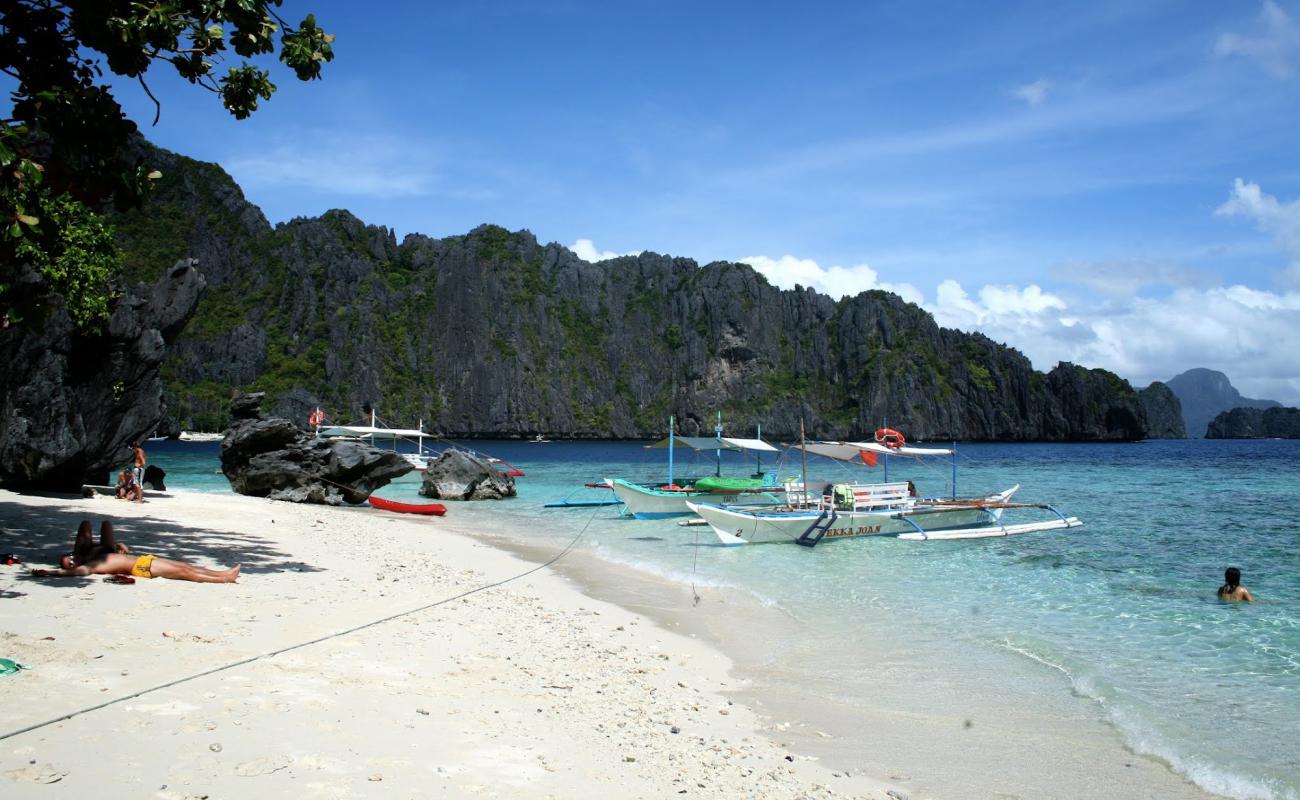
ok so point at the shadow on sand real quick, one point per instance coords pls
(41, 535)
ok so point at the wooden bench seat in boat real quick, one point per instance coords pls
(869, 496)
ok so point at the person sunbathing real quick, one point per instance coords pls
(84, 548)
(144, 566)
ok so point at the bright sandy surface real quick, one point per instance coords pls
(528, 689)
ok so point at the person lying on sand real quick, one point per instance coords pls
(84, 548)
(145, 566)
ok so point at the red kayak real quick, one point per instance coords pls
(436, 509)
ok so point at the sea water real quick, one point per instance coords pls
(1122, 608)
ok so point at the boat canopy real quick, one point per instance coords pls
(371, 431)
(847, 451)
(718, 443)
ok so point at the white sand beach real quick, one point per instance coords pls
(309, 678)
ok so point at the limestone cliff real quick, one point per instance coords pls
(73, 401)
(492, 334)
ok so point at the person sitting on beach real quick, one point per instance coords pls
(128, 487)
(84, 548)
(144, 566)
(1232, 590)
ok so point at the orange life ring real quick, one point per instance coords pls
(316, 418)
(890, 438)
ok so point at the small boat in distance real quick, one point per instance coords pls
(201, 436)
(539, 440)
(430, 509)
(420, 459)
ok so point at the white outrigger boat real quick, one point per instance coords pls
(872, 509)
(373, 432)
(200, 436)
(659, 501)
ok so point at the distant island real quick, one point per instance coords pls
(1256, 423)
(1204, 394)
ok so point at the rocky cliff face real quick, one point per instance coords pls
(1204, 393)
(1163, 411)
(72, 402)
(493, 334)
(1256, 423)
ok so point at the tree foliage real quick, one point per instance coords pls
(65, 148)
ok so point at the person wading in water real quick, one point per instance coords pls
(1232, 590)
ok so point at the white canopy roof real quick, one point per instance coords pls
(370, 431)
(723, 443)
(847, 451)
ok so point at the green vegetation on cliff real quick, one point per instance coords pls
(492, 334)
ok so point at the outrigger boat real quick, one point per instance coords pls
(873, 509)
(657, 501)
(374, 432)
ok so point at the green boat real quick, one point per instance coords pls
(728, 484)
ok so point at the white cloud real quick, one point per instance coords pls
(836, 281)
(1034, 93)
(340, 162)
(1275, 46)
(587, 251)
(1280, 220)
(1123, 279)
(1248, 334)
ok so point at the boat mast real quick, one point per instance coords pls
(954, 470)
(885, 424)
(803, 451)
(671, 436)
(717, 454)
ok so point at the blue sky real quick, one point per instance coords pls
(1113, 183)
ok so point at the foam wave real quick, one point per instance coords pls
(1142, 738)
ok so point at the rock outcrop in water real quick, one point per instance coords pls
(458, 475)
(273, 458)
(492, 334)
(1256, 423)
(72, 401)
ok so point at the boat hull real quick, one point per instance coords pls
(427, 509)
(759, 526)
(643, 502)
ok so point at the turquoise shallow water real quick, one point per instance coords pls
(1123, 607)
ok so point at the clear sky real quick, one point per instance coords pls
(1110, 183)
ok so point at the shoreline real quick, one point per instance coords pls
(1060, 746)
(327, 669)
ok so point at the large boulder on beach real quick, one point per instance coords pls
(458, 475)
(154, 476)
(273, 458)
(73, 400)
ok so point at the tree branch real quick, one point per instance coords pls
(157, 107)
